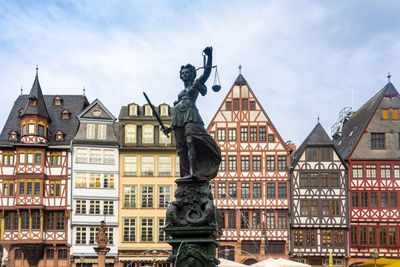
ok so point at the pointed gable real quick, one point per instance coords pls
(354, 128)
(36, 104)
(96, 110)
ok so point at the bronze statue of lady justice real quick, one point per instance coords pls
(199, 155)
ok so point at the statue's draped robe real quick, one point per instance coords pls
(186, 121)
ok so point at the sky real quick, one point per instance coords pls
(303, 59)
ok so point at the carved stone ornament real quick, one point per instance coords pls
(101, 237)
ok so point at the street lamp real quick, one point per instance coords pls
(375, 255)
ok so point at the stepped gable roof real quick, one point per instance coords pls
(240, 80)
(355, 126)
(74, 103)
(40, 108)
(317, 137)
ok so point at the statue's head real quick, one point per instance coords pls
(188, 73)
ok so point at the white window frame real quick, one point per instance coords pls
(102, 132)
(90, 131)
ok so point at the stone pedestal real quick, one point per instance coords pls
(101, 255)
(193, 223)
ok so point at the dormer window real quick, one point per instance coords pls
(12, 136)
(148, 111)
(59, 136)
(32, 102)
(133, 110)
(65, 114)
(57, 101)
(164, 110)
(20, 111)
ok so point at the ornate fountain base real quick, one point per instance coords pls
(193, 223)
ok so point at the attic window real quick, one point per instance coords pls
(59, 136)
(96, 113)
(65, 114)
(148, 111)
(132, 110)
(164, 110)
(57, 101)
(12, 136)
(32, 102)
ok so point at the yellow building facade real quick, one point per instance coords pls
(148, 168)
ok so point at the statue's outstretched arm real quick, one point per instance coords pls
(207, 69)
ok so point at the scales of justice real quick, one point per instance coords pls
(192, 220)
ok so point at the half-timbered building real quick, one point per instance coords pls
(35, 173)
(319, 209)
(370, 143)
(94, 184)
(251, 188)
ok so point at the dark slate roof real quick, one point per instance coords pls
(240, 80)
(40, 108)
(317, 137)
(74, 103)
(355, 126)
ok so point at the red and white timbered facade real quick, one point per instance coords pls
(35, 172)
(251, 188)
(371, 145)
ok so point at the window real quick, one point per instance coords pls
(371, 171)
(383, 235)
(130, 133)
(90, 131)
(8, 159)
(161, 234)
(393, 200)
(29, 188)
(313, 207)
(130, 166)
(81, 156)
(353, 235)
(164, 166)
(102, 132)
(221, 134)
(310, 237)
(95, 156)
(164, 140)
(324, 180)
(80, 180)
(386, 171)
(232, 134)
(377, 141)
(334, 181)
(228, 105)
(374, 200)
(108, 208)
(94, 180)
(372, 235)
(270, 190)
(50, 254)
(256, 220)
(80, 236)
(325, 207)
(133, 110)
(270, 220)
(232, 163)
(313, 182)
(108, 181)
(304, 209)
(262, 134)
(147, 131)
(245, 190)
(178, 166)
(384, 200)
(253, 134)
(282, 191)
(147, 166)
(244, 220)
(31, 128)
(222, 166)
(271, 138)
(252, 105)
(270, 163)
(147, 197)
(92, 234)
(364, 200)
(55, 159)
(298, 238)
(282, 220)
(231, 219)
(281, 163)
(392, 236)
(164, 196)
(335, 208)
(147, 110)
(164, 110)
(129, 230)
(245, 104)
(30, 158)
(245, 163)
(395, 114)
(109, 157)
(24, 214)
(22, 158)
(94, 207)
(80, 206)
(62, 254)
(232, 190)
(312, 154)
(358, 171)
(22, 188)
(243, 134)
(256, 163)
(363, 235)
(326, 153)
(129, 197)
(50, 220)
(147, 230)
(256, 190)
(235, 104)
(385, 114)
(221, 190)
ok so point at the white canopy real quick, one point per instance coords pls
(228, 263)
(279, 263)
